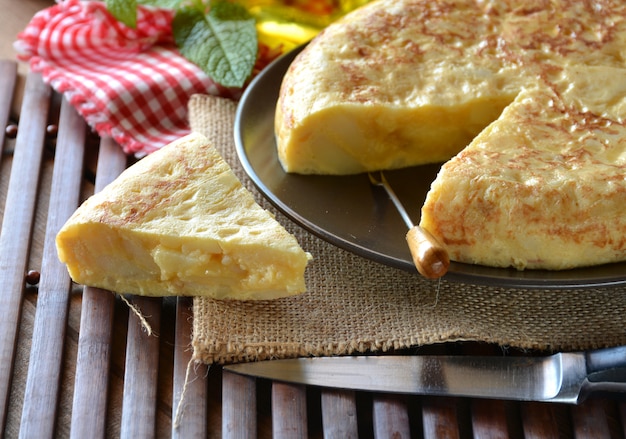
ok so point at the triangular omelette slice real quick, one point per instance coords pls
(544, 186)
(179, 222)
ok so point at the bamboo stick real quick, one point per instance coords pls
(15, 235)
(46, 359)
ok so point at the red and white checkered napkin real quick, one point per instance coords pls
(130, 84)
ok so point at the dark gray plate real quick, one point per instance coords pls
(348, 212)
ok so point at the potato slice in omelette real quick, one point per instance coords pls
(179, 222)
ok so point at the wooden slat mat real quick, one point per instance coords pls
(92, 370)
(76, 362)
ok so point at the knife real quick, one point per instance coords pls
(566, 377)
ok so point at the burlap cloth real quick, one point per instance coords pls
(354, 305)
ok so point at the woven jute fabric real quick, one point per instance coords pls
(354, 305)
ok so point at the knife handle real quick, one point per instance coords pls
(602, 359)
(606, 371)
(608, 381)
(429, 255)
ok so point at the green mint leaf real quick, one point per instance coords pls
(223, 42)
(124, 11)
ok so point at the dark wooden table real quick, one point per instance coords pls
(75, 362)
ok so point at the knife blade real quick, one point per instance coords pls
(566, 377)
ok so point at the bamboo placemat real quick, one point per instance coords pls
(109, 385)
(74, 362)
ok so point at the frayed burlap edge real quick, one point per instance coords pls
(354, 305)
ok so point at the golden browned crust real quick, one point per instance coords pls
(445, 67)
(544, 186)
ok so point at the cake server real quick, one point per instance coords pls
(429, 255)
(567, 377)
